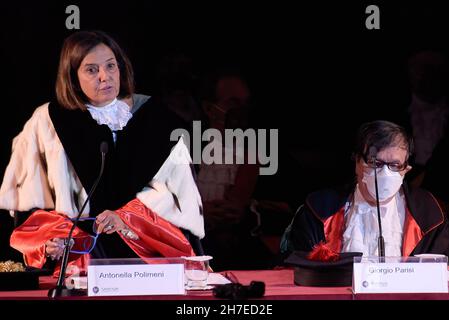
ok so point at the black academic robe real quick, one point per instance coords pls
(321, 218)
(131, 162)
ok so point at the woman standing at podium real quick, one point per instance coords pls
(56, 159)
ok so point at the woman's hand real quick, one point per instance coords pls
(109, 222)
(54, 248)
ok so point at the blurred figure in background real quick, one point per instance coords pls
(429, 108)
(227, 189)
(177, 82)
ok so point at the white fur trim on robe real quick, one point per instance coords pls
(173, 183)
(39, 174)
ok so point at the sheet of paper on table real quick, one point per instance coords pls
(216, 278)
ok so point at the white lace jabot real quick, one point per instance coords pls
(115, 114)
(362, 230)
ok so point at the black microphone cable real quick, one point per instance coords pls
(68, 242)
(380, 240)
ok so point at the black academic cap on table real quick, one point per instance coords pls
(314, 273)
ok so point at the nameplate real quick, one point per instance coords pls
(400, 277)
(138, 279)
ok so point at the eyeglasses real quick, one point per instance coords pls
(88, 243)
(393, 166)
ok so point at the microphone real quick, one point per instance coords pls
(380, 240)
(61, 290)
(237, 291)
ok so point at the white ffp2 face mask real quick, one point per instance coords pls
(388, 183)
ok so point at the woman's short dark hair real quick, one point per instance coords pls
(381, 134)
(74, 50)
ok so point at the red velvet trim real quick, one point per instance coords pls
(412, 234)
(333, 230)
(441, 212)
(322, 252)
(157, 236)
(30, 237)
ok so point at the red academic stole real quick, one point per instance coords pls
(157, 236)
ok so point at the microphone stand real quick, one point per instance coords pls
(380, 240)
(61, 290)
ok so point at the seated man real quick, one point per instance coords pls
(346, 219)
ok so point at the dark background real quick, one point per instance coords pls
(315, 71)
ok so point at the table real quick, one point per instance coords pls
(279, 286)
